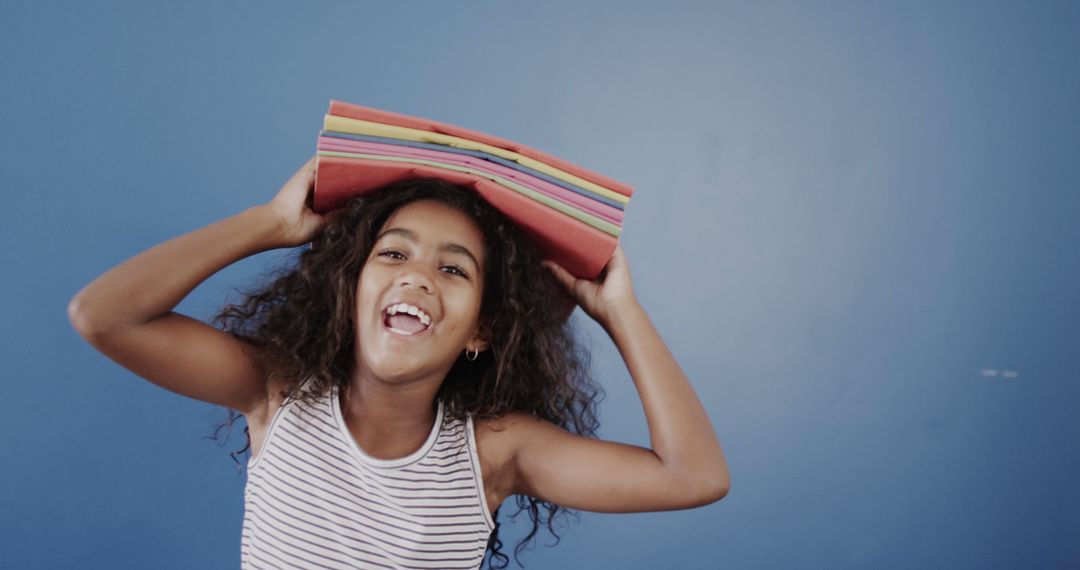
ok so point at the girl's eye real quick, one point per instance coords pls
(456, 270)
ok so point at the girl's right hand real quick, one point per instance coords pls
(298, 222)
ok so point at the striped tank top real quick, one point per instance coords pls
(314, 499)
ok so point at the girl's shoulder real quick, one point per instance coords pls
(272, 399)
(496, 443)
(258, 420)
(492, 440)
(500, 438)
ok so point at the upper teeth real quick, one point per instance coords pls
(410, 309)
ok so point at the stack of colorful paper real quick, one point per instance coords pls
(574, 216)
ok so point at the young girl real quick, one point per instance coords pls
(412, 371)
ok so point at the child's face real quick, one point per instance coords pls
(416, 259)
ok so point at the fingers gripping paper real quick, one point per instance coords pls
(573, 215)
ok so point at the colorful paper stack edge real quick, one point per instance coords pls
(573, 215)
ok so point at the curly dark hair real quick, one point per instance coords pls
(302, 325)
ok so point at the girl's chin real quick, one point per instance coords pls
(396, 364)
(391, 355)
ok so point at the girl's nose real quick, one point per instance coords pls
(416, 277)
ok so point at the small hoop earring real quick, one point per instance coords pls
(476, 354)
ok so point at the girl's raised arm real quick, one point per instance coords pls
(126, 313)
(684, 468)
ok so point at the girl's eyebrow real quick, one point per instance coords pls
(446, 245)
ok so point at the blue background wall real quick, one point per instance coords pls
(855, 226)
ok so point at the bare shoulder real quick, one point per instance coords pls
(259, 417)
(497, 441)
(264, 409)
(499, 437)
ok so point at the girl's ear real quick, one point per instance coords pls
(482, 340)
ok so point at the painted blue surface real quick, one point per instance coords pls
(856, 227)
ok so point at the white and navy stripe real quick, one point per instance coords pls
(314, 499)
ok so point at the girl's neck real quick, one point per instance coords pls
(388, 424)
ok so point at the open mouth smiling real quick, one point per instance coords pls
(406, 319)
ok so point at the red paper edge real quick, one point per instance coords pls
(578, 247)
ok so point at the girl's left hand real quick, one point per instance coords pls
(601, 298)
